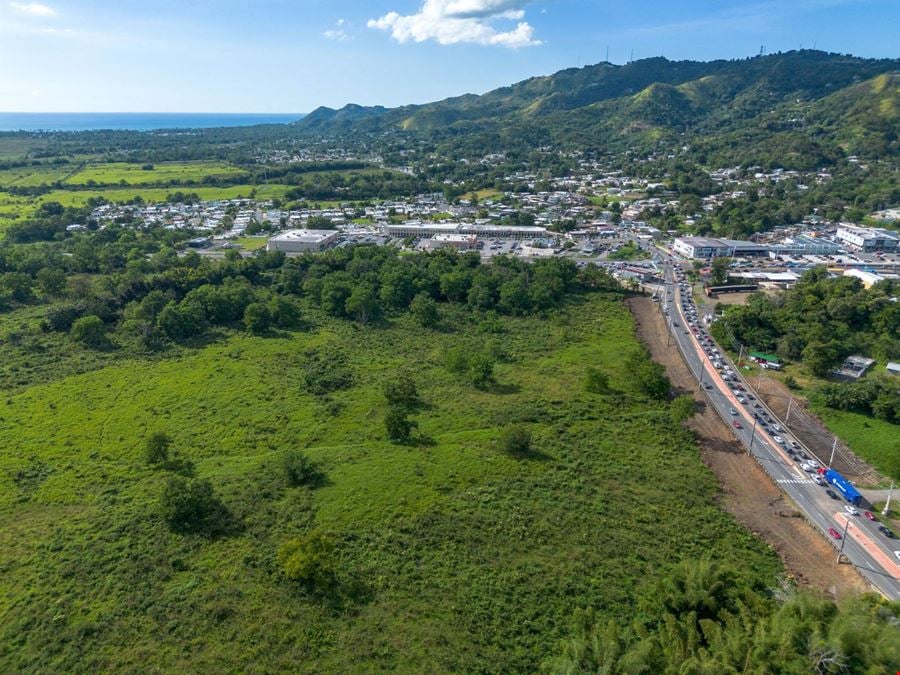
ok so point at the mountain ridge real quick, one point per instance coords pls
(653, 97)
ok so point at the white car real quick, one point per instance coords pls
(818, 480)
(897, 553)
(778, 439)
(851, 510)
(776, 427)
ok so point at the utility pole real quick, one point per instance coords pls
(833, 448)
(787, 418)
(887, 505)
(843, 538)
(740, 356)
(752, 437)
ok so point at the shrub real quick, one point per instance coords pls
(156, 448)
(515, 441)
(190, 505)
(398, 426)
(323, 374)
(401, 392)
(682, 409)
(596, 381)
(89, 331)
(309, 560)
(299, 469)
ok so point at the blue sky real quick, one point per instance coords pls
(293, 55)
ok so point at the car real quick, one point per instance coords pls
(736, 424)
(732, 411)
(897, 554)
(886, 531)
(795, 445)
(776, 427)
(707, 386)
(834, 533)
(777, 439)
(851, 510)
(869, 515)
(741, 399)
(818, 480)
(832, 494)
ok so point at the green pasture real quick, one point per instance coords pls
(451, 556)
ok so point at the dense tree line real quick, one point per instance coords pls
(703, 618)
(820, 321)
(131, 286)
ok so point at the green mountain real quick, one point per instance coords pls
(798, 93)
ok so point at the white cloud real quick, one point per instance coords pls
(33, 9)
(337, 33)
(453, 21)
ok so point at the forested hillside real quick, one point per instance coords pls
(821, 104)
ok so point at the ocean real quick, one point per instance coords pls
(136, 121)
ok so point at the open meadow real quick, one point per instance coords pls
(451, 555)
(114, 173)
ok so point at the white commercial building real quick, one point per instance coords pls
(297, 241)
(867, 238)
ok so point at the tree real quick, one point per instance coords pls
(362, 304)
(189, 505)
(156, 448)
(51, 282)
(401, 392)
(719, 274)
(515, 441)
(398, 426)
(596, 381)
(284, 311)
(89, 331)
(425, 310)
(257, 318)
(181, 320)
(309, 560)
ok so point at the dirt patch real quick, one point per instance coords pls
(747, 491)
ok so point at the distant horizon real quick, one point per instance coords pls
(55, 122)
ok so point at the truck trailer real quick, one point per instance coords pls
(844, 486)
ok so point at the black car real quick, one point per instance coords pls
(886, 532)
(832, 494)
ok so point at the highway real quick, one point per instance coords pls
(866, 548)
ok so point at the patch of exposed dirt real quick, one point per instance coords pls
(747, 491)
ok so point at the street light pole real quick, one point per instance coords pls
(752, 437)
(843, 538)
(833, 448)
(787, 418)
(887, 505)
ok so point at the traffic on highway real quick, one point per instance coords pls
(830, 502)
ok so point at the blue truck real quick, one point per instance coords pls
(844, 487)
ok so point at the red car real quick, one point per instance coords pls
(868, 514)
(736, 424)
(834, 533)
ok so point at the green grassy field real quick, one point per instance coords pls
(32, 176)
(251, 243)
(113, 173)
(874, 440)
(452, 556)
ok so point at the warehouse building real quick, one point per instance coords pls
(427, 230)
(298, 241)
(704, 248)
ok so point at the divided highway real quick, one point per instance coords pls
(868, 549)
